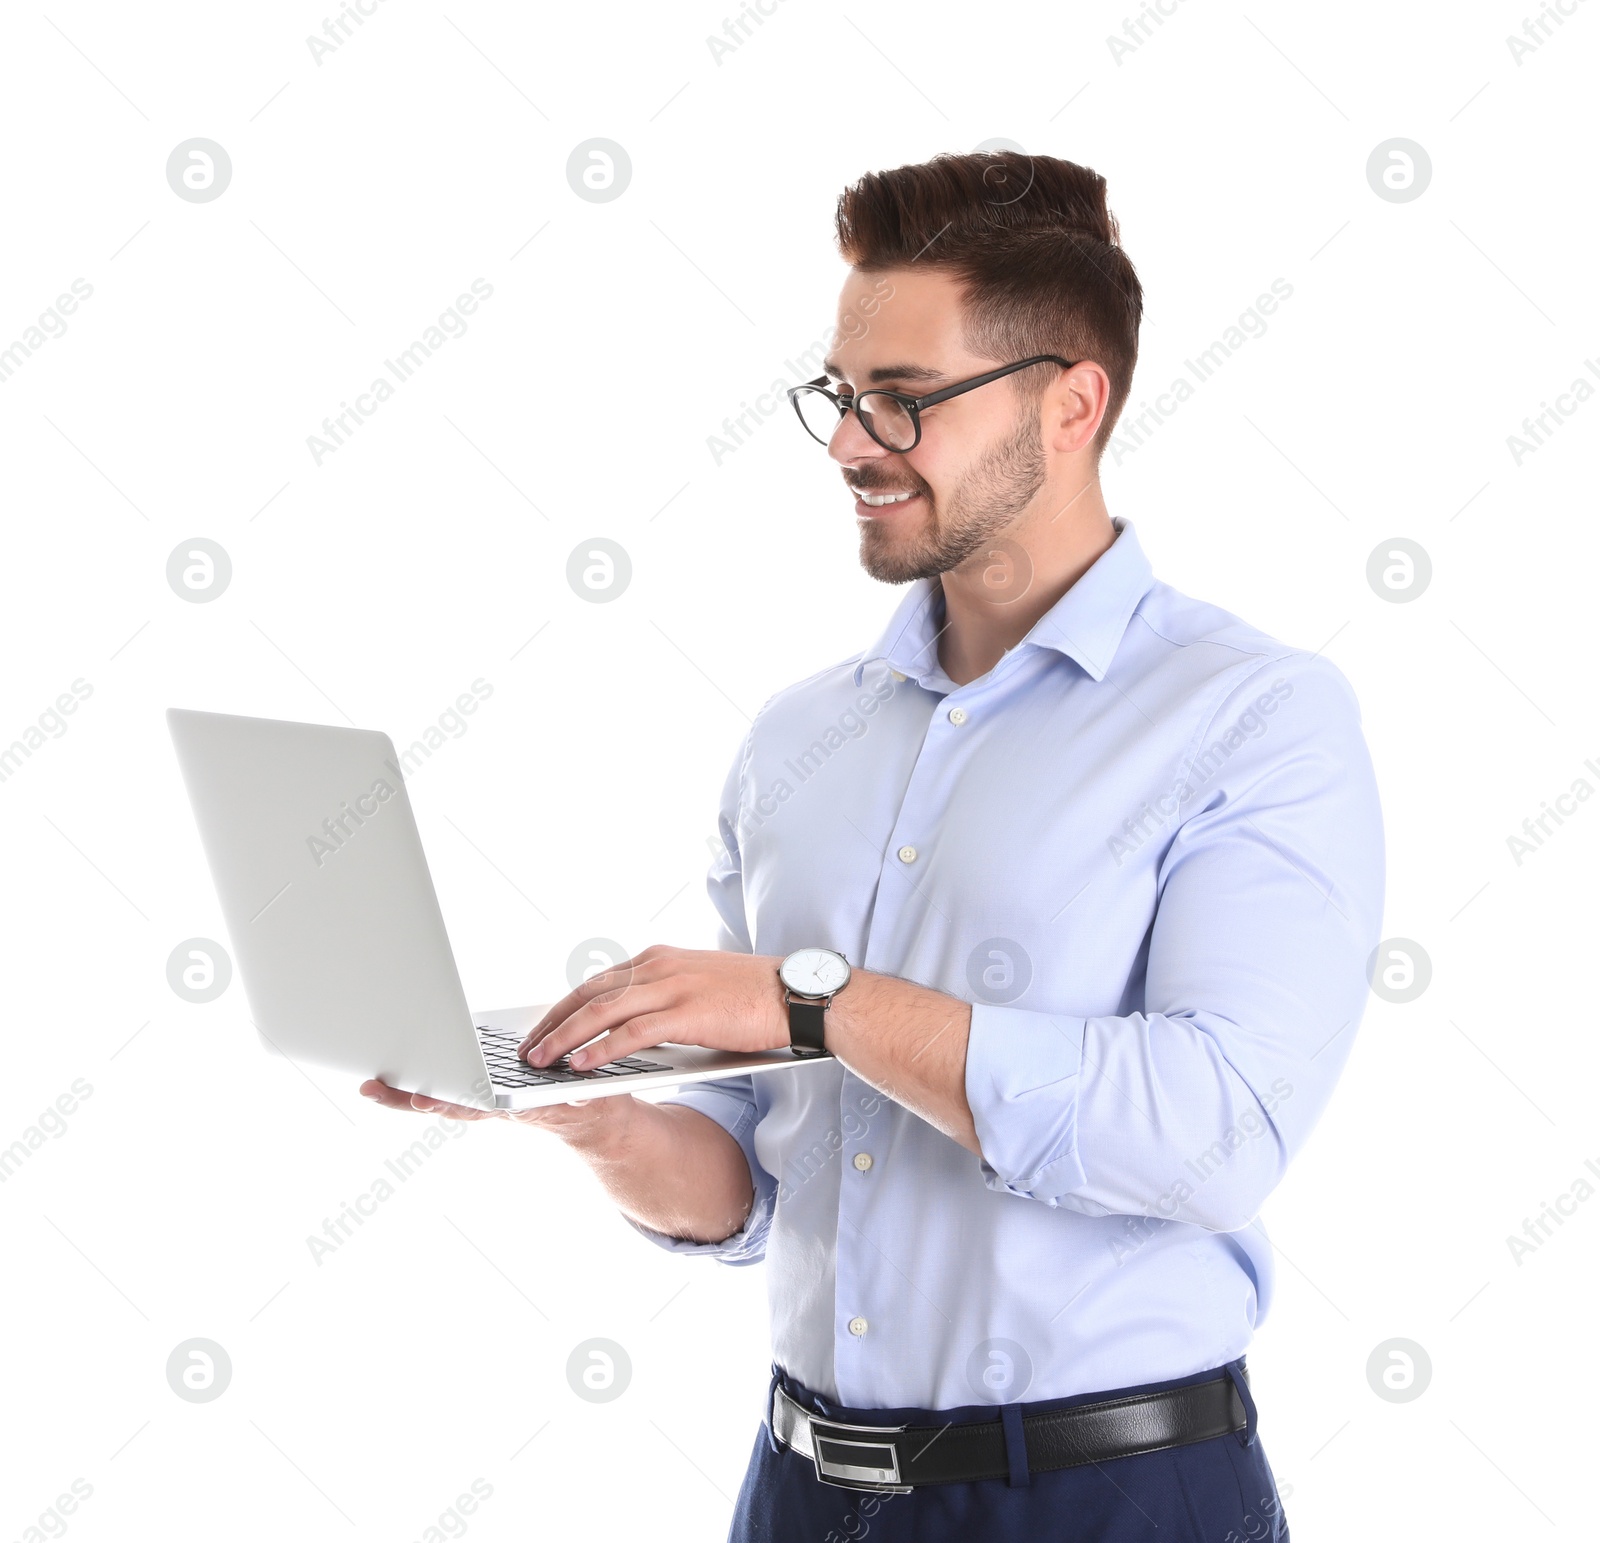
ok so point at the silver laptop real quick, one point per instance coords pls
(337, 931)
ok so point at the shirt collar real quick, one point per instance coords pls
(1086, 623)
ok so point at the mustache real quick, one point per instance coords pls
(859, 484)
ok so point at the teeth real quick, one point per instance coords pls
(877, 500)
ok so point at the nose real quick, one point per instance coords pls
(851, 443)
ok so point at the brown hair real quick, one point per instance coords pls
(1033, 245)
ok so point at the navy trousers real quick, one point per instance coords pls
(1217, 1491)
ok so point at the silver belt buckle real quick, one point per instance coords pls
(851, 1463)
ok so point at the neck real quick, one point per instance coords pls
(991, 602)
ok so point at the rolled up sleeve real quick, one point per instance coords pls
(1269, 902)
(1022, 1086)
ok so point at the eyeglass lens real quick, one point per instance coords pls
(885, 418)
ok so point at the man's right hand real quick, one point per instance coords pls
(667, 1166)
(578, 1120)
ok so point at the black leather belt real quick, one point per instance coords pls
(895, 1458)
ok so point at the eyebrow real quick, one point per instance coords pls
(918, 372)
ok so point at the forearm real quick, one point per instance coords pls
(906, 1040)
(909, 1042)
(668, 1167)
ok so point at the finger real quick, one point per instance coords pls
(540, 1114)
(572, 1111)
(602, 1011)
(603, 983)
(420, 1103)
(636, 1034)
(553, 1015)
(380, 1092)
(599, 1016)
(641, 969)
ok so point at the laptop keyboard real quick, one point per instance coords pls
(508, 1069)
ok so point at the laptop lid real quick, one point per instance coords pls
(329, 905)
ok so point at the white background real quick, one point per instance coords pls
(367, 192)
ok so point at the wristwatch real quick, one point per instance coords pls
(811, 977)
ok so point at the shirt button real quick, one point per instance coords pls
(858, 1327)
(862, 1160)
(958, 716)
(908, 854)
(897, 675)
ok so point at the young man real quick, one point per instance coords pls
(1106, 863)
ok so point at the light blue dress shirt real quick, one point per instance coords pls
(1147, 847)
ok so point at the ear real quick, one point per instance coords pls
(1074, 406)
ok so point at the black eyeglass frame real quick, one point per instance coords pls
(913, 405)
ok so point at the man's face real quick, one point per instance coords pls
(980, 461)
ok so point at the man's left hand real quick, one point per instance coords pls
(677, 996)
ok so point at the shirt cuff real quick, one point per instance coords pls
(1022, 1080)
(733, 1107)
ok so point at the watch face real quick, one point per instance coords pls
(814, 972)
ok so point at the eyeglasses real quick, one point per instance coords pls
(893, 419)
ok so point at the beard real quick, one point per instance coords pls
(992, 493)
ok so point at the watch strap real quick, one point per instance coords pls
(805, 1026)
